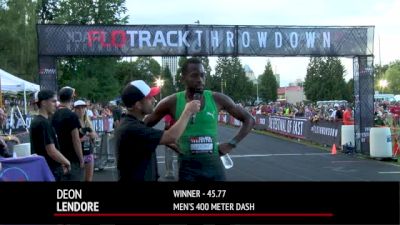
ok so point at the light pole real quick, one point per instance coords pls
(222, 87)
(383, 84)
(258, 100)
(159, 83)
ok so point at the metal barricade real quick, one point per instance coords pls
(104, 152)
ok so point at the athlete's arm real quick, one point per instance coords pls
(226, 103)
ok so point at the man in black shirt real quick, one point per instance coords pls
(135, 142)
(66, 124)
(43, 137)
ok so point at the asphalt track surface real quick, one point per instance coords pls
(261, 157)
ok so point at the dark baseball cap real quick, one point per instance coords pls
(136, 91)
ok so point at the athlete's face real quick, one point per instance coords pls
(195, 77)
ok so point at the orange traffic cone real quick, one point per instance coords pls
(333, 152)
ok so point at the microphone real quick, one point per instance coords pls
(196, 96)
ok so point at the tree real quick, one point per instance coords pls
(268, 86)
(350, 90)
(46, 10)
(168, 87)
(127, 72)
(93, 78)
(179, 86)
(313, 79)
(325, 79)
(90, 12)
(149, 69)
(18, 54)
(233, 80)
(222, 72)
(379, 74)
(393, 77)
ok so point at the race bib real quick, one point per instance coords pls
(201, 144)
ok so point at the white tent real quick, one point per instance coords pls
(11, 83)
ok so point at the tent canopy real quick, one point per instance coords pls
(11, 83)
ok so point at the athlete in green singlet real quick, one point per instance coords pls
(199, 151)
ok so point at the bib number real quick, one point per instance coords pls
(201, 145)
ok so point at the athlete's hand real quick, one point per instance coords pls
(224, 148)
(193, 106)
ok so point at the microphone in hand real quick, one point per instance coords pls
(197, 96)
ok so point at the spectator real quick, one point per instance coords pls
(87, 136)
(43, 136)
(67, 125)
(348, 116)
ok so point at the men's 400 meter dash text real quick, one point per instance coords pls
(218, 206)
(208, 206)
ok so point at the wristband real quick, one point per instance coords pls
(233, 143)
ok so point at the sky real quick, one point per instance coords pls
(383, 14)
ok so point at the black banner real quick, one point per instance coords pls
(293, 127)
(324, 132)
(364, 101)
(17, 124)
(207, 40)
(201, 203)
(48, 73)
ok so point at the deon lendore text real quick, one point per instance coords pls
(208, 206)
(71, 200)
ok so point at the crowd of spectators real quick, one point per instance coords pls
(385, 113)
(313, 112)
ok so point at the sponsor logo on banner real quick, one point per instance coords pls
(324, 132)
(17, 124)
(205, 39)
(328, 131)
(288, 126)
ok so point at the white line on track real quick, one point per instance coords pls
(267, 155)
(390, 172)
(278, 154)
